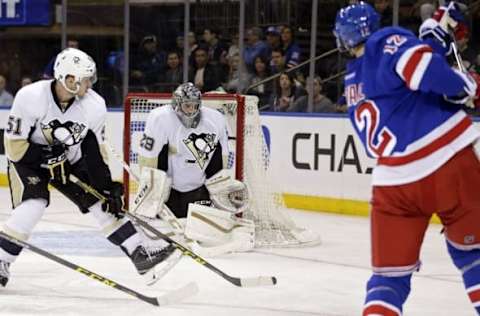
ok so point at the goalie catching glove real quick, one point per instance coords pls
(227, 193)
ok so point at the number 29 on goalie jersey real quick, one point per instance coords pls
(184, 153)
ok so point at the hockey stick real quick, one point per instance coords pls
(273, 77)
(169, 217)
(168, 298)
(241, 282)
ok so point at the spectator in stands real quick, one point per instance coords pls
(341, 104)
(233, 49)
(6, 98)
(277, 61)
(173, 76)
(273, 38)
(290, 47)
(192, 44)
(426, 8)
(149, 63)
(25, 81)
(286, 93)
(255, 47)
(234, 82)
(48, 71)
(385, 10)
(217, 50)
(192, 41)
(264, 90)
(320, 102)
(205, 76)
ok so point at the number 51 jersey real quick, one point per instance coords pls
(395, 96)
(37, 118)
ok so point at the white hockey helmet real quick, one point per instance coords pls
(76, 63)
(186, 102)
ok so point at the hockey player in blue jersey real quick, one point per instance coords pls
(405, 102)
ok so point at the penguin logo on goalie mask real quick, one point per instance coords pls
(201, 146)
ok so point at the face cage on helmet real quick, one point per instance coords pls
(187, 104)
(340, 44)
(350, 36)
(188, 120)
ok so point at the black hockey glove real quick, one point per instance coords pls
(54, 158)
(114, 200)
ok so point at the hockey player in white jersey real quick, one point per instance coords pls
(184, 150)
(56, 128)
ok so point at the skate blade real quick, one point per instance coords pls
(158, 272)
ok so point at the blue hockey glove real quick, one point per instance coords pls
(469, 92)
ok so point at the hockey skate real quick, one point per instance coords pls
(154, 259)
(4, 272)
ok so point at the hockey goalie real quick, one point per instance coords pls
(183, 180)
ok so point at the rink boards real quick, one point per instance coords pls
(316, 160)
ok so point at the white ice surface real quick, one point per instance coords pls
(324, 280)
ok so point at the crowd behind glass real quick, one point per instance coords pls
(215, 62)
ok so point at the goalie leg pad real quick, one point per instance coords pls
(153, 191)
(213, 227)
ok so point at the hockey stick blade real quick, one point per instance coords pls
(168, 298)
(258, 281)
(177, 295)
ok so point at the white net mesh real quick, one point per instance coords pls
(273, 226)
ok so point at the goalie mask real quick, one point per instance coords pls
(186, 102)
(73, 62)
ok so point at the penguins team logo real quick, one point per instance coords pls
(201, 146)
(68, 133)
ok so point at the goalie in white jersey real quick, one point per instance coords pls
(56, 128)
(184, 149)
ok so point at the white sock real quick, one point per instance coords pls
(109, 224)
(132, 242)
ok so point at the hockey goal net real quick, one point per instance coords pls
(249, 158)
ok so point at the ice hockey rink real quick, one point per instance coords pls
(328, 279)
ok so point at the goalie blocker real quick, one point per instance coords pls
(212, 222)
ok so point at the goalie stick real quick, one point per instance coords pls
(167, 216)
(241, 282)
(170, 297)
